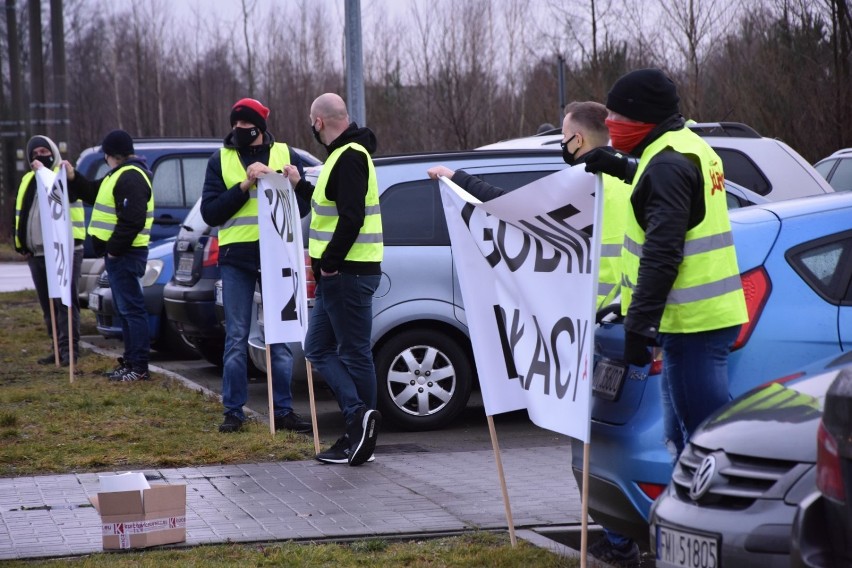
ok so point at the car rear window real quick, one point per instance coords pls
(739, 168)
(824, 264)
(413, 215)
(841, 179)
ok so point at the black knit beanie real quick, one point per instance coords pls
(646, 95)
(117, 143)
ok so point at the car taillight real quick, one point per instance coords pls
(829, 475)
(652, 490)
(756, 286)
(310, 283)
(656, 361)
(210, 256)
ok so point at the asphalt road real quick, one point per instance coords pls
(468, 432)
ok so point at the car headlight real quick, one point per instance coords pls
(152, 272)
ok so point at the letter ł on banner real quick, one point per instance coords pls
(528, 275)
(55, 213)
(282, 258)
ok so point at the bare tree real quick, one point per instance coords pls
(694, 25)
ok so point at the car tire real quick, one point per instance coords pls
(432, 404)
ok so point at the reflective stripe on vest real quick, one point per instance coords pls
(77, 213)
(707, 293)
(368, 246)
(242, 226)
(616, 199)
(104, 219)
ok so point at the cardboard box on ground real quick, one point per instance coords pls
(135, 514)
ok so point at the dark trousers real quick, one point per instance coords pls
(38, 271)
(125, 274)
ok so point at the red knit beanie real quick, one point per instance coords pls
(250, 110)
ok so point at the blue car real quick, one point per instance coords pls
(159, 271)
(796, 262)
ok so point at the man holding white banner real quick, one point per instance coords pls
(230, 200)
(346, 250)
(30, 241)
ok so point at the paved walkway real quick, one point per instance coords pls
(395, 495)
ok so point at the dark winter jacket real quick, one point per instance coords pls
(347, 187)
(220, 203)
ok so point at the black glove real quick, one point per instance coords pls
(608, 160)
(636, 349)
(607, 312)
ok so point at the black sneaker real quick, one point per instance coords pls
(363, 433)
(294, 423)
(119, 370)
(47, 360)
(130, 376)
(626, 556)
(230, 424)
(338, 453)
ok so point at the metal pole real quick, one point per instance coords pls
(37, 116)
(57, 35)
(561, 78)
(354, 68)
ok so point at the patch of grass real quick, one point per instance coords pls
(466, 551)
(49, 425)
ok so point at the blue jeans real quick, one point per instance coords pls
(125, 274)
(694, 382)
(238, 299)
(338, 340)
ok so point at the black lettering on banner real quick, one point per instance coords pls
(564, 325)
(506, 344)
(565, 238)
(280, 214)
(550, 228)
(288, 313)
(61, 271)
(54, 197)
(513, 262)
(539, 365)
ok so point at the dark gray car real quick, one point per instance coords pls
(736, 486)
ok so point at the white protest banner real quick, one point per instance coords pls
(527, 269)
(55, 213)
(282, 258)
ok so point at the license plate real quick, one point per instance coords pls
(185, 263)
(217, 290)
(607, 379)
(94, 302)
(683, 549)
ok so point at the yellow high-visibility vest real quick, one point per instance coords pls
(616, 200)
(242, 226)
(76, 212)
(103, 221)
(368, 246)
(707, 293)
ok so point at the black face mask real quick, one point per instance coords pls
(568, 157)
(243, 137)
(46, 160)
(315, 132)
